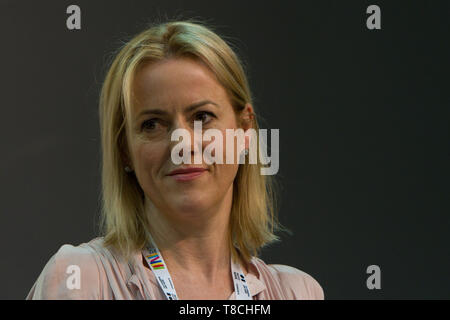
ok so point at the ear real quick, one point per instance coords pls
(125, 158)
(247, 117)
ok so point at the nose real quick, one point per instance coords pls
(186, 137)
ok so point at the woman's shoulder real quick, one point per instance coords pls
(73, 272)
(81, 252)
(295, 283)
(85, 255)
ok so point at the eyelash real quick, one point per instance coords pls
(198, 113)
(147, 121)
(205, 112)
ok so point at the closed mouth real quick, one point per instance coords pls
(186, 171)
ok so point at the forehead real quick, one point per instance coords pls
(175, 83)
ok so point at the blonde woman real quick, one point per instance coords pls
(189, 231)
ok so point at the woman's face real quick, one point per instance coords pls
(164, 94)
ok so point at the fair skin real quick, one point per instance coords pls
(189, 219)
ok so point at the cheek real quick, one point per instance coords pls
(233, 146)
(149, 158)
(227, 171)
(224, 174)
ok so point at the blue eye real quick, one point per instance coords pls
(204, 116)
(149, 124)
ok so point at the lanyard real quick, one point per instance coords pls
(158, 266)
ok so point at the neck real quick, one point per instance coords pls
(194, 243)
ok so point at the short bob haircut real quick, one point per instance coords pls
(123, 219)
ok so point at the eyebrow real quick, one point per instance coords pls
(188, 108)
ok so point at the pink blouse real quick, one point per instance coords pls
(105, 275)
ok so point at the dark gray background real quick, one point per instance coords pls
(363, 118)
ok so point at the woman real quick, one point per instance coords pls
(189, 231)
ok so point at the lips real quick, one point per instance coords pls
(186, 171)
(186, 174)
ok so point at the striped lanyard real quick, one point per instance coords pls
(158, 266)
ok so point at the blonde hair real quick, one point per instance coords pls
(124, 222)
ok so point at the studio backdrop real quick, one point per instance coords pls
(359, 91)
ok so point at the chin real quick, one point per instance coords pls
(191, 202)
